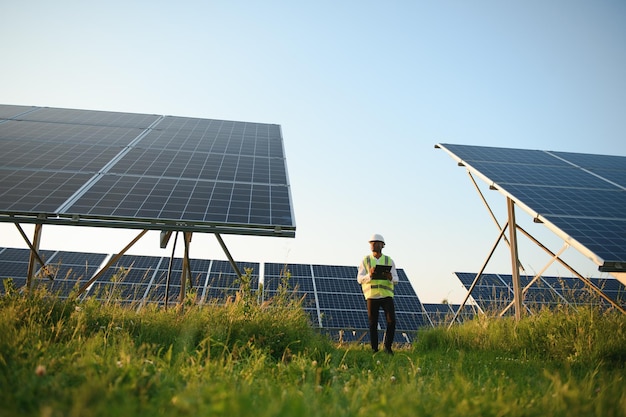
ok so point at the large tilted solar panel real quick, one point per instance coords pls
(578, 196)
(493, 292)
(143, 171)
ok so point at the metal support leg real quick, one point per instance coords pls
(517, 289)
(230, 258)
(185, 273)
(34, 256)
(169, 272)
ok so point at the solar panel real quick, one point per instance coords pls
(143, 171)
(579, 196)
(493, 292)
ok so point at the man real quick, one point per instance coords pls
(377, 285)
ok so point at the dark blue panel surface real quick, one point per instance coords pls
(604, 237)
(338, 285)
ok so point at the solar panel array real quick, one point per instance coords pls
(133, 279)
(143, 171)
(494, 292)
(581, 195)
(330, 294)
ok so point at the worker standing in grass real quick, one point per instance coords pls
(378, 276)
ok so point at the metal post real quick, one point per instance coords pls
(34, 256)
(517, 290)
(230, 258)
(34, 252)
(169, 272)
(185, 272)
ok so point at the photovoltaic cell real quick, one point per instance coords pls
(592, 161)
(344, 319)
(333, 285)
(615, 176)
(341, 301)
(540, 175)
(582, 195)
(46, 191)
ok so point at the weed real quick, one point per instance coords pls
(247, 357)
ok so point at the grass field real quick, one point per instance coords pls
(64, 358)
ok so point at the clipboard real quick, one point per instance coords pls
(379, 271)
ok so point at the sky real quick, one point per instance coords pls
(363, 91)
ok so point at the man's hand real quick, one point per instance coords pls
(388, 275)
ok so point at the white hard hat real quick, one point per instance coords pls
(377, 238)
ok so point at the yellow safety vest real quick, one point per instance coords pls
(377, 288)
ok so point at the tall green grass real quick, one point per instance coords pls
(247, 358)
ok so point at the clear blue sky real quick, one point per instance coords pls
(363, 91)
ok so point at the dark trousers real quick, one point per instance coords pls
(373, 307)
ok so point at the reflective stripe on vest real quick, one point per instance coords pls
(377, 288)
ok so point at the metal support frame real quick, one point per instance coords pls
(517, 291)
